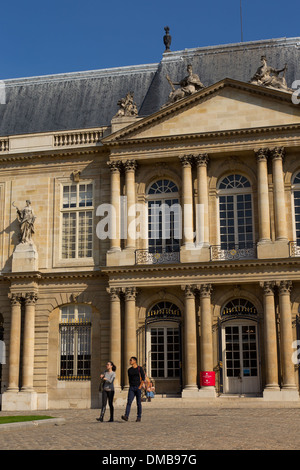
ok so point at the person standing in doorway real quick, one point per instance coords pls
(136, 376)
(108, 390)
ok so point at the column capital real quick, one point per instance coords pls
(268, 287)
(31, 298)
(115, 166)
(284, 287)
(186, 160)
(278, 153)
(114, 293)
(202, 159)
(130, 165)
(189, 291)
(205, 290)
(15, 298)
(262, 154)
(130, 293)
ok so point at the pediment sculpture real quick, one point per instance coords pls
(188, 85)
(127, 106)
(269, 76)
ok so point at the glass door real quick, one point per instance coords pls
(240, 358)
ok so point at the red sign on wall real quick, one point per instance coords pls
(207, 378)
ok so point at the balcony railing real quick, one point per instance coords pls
(294, 249)
(165, 257)
(217, 252)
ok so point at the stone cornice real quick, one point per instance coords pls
(254, 131)
(238, 271)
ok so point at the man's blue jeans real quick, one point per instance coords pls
(134, 392)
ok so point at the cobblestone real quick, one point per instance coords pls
(226, 426)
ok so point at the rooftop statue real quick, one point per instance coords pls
(269, 77)
(167, 39)
(188, 85)
(26, 220)
(127, 106)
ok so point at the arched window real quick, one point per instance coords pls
(164, 220)
(235, 213)
(296, 198)
(75, 342)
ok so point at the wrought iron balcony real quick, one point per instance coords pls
(148, 257)
(217, 252)
(294, 249)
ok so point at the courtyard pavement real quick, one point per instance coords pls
(238, 424)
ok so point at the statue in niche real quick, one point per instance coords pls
(167, 39)
(127, 106)
(26, 220)
(269, 77)
(188, 85)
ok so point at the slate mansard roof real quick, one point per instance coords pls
(89, 99)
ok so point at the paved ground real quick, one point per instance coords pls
(239, 425)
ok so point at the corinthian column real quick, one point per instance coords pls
(115, 193)
(279, 196)
(187, 200)
(28, 344)
(130, 167)
(115, 333)
(270, 338)
(203, 222)
(14, 345)
(190, 342)
(288, 370)
(263, 195)
(129, 329)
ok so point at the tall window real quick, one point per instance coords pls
(235, 213)
(164, 222)
(75, 342)
(296, 193)
(77, 221)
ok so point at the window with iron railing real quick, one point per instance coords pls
(75, 342)
(235, 217)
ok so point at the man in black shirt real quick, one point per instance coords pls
(135, 375)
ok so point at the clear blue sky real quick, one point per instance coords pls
(40, 37)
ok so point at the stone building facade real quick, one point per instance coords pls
(211, 308)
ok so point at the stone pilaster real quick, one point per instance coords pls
(28, 342)
(206, 340)
(263, 195)
(190, 343)
(202, 188)
(187, 201)
(115, 193)
(15, 342)
(115, 334)
(270, 342)
(129, 329)
(279, 195)
(130, 168)
(286, 338)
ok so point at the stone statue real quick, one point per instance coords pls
(188, 85)
(26, 220)
(167, 39)
(127, 106)
(269, 77)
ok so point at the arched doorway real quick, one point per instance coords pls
(240, 348)
(163, 347)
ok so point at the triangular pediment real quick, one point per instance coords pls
(226, 106)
